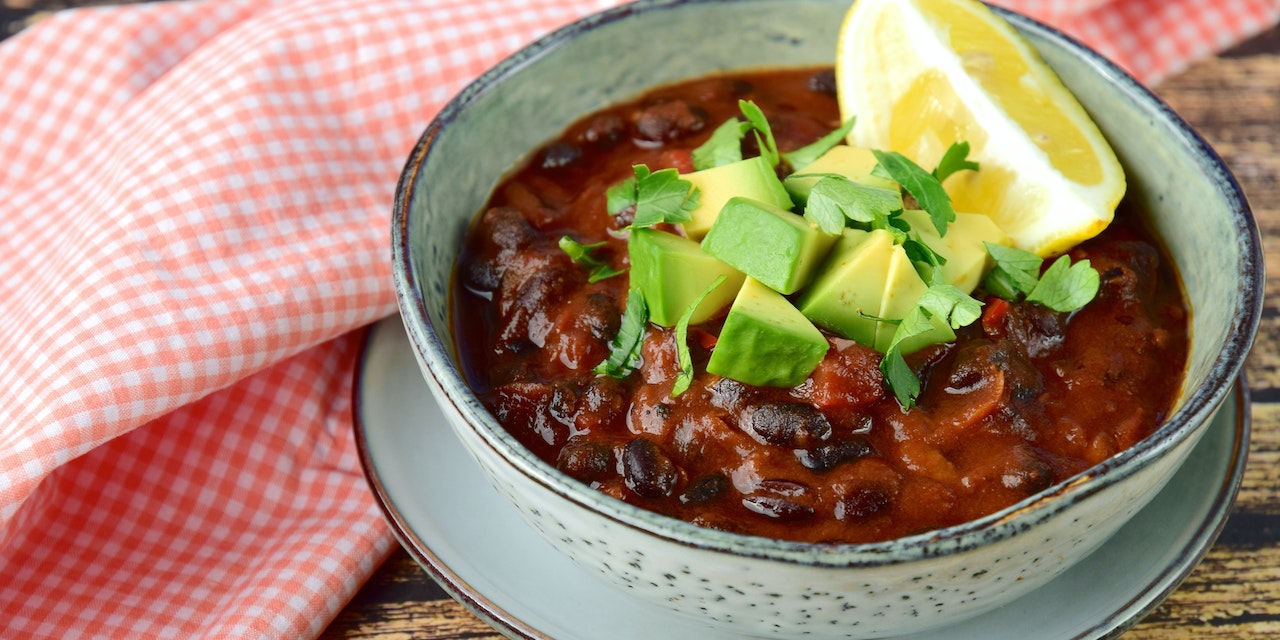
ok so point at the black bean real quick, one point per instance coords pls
(647, 471)
(830, 455)
(669, 120)
(605, 131)
(823, 82)
(781, 500)
(795, 425)
(862, 503)
(560, 154)
(585, 461)
(1030, 473)
(705, 489)
(508, 228)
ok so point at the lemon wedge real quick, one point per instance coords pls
(922, 74)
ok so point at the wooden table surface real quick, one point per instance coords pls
(1234, 101)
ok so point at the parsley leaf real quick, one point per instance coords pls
(943, 301)
(804, 155)
(624, 351)
(919, 183)
(1063, 287)
(922, 254)
(835, 198)
(1016, 272)
(581, 254)
(768, 147)
(1066, 287)
(901, 379)
(685, 377)
(658, 196)
(951, 303)
(955, 159)
(723, 147)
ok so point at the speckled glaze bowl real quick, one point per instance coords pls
(764, 587)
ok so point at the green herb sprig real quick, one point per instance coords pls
(582, 254)
(658, 197)
(1063, 287)
(624, 351)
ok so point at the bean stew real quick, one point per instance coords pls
(1022, 399)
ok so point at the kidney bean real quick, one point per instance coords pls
(585, 461)
(647, 471)
(669, 120)
(828, 456)
(705, 489)
(794, 425)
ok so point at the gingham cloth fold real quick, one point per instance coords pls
(194, 203)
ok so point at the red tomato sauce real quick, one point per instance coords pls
(1023, 399)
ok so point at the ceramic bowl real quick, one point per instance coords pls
(765, 587)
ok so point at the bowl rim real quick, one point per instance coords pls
(456, 397)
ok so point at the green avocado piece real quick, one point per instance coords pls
(772, 245)
(751, 178)
(846, 295)
(962, 247)
(672, 271)
(765, 341)
(902, 290)
(854, 163)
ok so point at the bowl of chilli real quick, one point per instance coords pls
(821, 508)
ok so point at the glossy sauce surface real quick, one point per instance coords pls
(1024, 398)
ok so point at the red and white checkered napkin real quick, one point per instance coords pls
(194, 203)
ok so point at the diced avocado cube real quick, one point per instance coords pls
(772, 245)
(765, 341)
(751, 178)
(854, 163)
(846, 295)
(672, 271)
(966, 257)
(902, 289)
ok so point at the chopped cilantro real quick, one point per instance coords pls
(1066, 287)
(624, 351)
(921, 253)
(581, 254)
(835, 198)
(685, 377)
(804, 155)
(723, 147)
(658, 197)
(760, 124)
(951, 303)
(954, 160)
(1063, 287)
(1015, 272)
(939, 301)
(919, 183)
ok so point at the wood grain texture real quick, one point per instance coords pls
(1234, 102)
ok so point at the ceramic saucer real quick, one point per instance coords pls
(474, 543)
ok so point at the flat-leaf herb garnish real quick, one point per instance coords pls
(658, 197)
(723, 147)
(835, 198)
(762, 131)
(951, 304)
(807, 154)
(954, 160)
(1063, 287)
(582, 254)
(624, 351)
(921, 184)
(685, 377)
